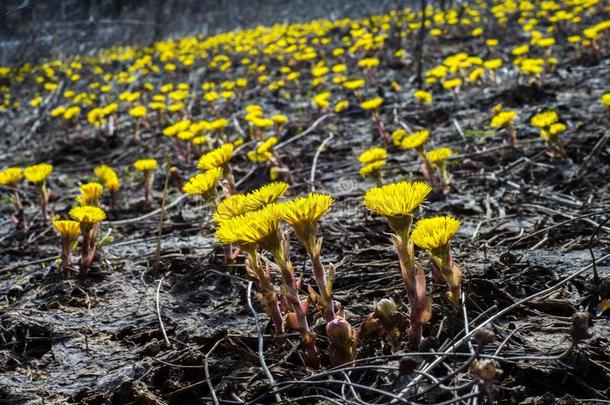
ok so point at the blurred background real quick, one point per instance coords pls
(34, 29)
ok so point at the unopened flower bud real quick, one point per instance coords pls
(486, 369)
(484, 337)
(385, 311)
(580, 326)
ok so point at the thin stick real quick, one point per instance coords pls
(168, 161)
(312, 173)
(302, 134)
(207, 372)
(158, 306)
(150, 214)
(261, 355)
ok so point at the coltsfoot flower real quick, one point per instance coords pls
(438, 158)
(203, 184)
(10, 176)
(146, 165)
(69, 231)
(371, 104)
(415, 140)
(90, 194)
(303, 214)
(88, 214)
(373, 155)
(434, 235)
(37, 174)
(217, 158)
(396, 202)
(89, 218)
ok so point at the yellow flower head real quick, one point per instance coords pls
(452, 83)
(265, 195)
(90, 194)
(371, 168)
(303, 214)
(108, 176)
(341, 105)
(11, 176)
(423, 96)
(371, 104)
(70, 230)
(605, 99)
(415, 140)
(434, 233)
(372, 155)
(503, 118)
(251, 228)
(354, 84)
(396, 199)
(439, 155)
(203, 183)
(219, 157)
(544, 119)
(145, 165)
(88, 214)
(38, 173)
(230, 207)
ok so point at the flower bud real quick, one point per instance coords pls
(343, 340)
(486, 369)
(385, 311)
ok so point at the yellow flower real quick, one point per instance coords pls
(503, 118)
(138, 112)
(303, 214)
(396, 199)
(71, 113)
(492, 64)
(265, 195)
(219, 157)
(368, 63)
(88, 214)
(423, 96)
(415, 140)
(70, 230)
(544, 119)
(434, 233)
(230, 207)
(321, 99)
(605, 99)
(354, 84)
(371, 104)
(398, 135)
(108, 176)
(255, 227)
(58, 111)
(90, 194)
(203, 183)
(341, 105)
(439, 155)
(521, 50)
(452, 83)
(145, 165)
(279, 119)
(373, 155)
(371, 168)
(38, 173)
(11, 176)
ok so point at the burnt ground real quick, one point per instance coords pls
(529, 223)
